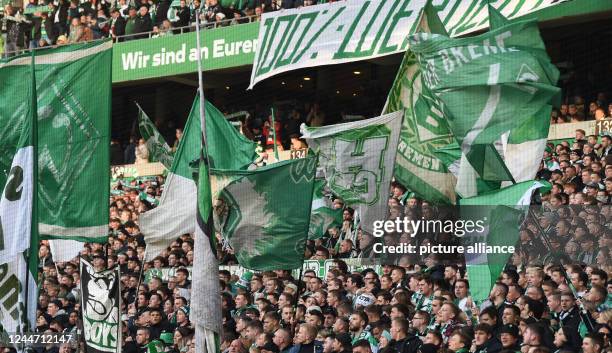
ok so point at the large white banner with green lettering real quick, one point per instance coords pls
(352, 30)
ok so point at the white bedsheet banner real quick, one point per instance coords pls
(353, 30)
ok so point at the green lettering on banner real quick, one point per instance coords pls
(285, 39)
(341, 53)
(318, 34)
(13, 185)
(403, 13)
(311, 17)
(468, 23)
(274, 34)
(357, 180)
(450, 14)
(265, 43)
(99, 334)
(9, 292)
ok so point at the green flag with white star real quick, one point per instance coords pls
(268, 212)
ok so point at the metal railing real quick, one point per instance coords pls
(152, 34)
(190, 28)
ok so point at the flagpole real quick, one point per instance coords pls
(144, 258)
(582, 311)
(205, 340)
(34, 216)
(274, 134)
(201, 87)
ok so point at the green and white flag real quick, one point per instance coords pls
(502, 212)
(18, 209)
(73, 135)
(529, 138)
(17, 198)
(323, 215)
(206, 301)
(419, 165)
(268, 212)
(357, 160)
(490, 85)
(175, 214)
(159, 151)
(15, 314)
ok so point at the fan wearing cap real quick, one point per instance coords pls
(364, 300)
(484, 340)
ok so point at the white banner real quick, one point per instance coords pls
(16, 207)
(357, 160)
(353, 30)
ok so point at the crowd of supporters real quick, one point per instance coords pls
(553, 295)
(577, 111)
(50, 22)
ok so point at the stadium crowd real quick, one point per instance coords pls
(50, 22)
(554, 294)
(576, 111)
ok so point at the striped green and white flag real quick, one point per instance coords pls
(159, 150)
(419, 165)
(530, 137)
(175, 214)
(17, 197)
(73, 136)
(18, 207)
(502, 212)
(491, 86)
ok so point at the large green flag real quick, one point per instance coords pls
(323, 215)
(227, 149)
(268, 212)
(419, 166)
(490, 85)
(73, 89)
(529, 138)
(502, 212)
(159, 151)
(18, 208)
